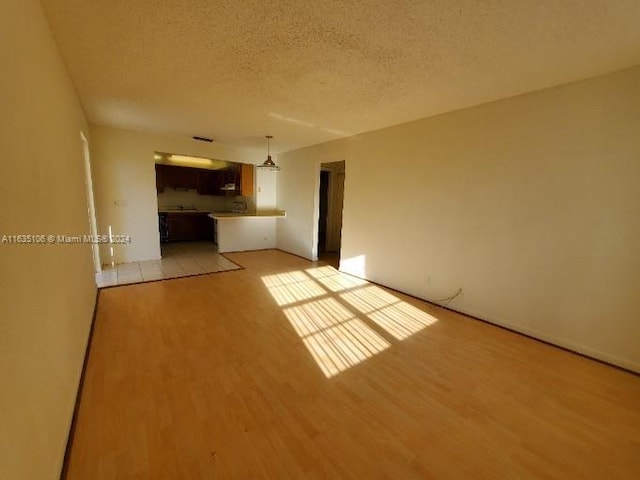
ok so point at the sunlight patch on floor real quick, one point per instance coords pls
(291, 287)
(335, 281)
(343, 320)
(335, 337)
(397, 317)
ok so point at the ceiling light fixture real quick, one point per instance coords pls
(268, 163)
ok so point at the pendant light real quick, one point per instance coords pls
(268, 163)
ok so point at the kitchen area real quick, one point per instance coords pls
(231, 205)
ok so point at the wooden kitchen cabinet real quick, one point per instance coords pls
(184, 226)
(160, 178)
(241, 176)
(207, 182)
(230, 176)
(179, 227)
(179, 178)
(246, 180)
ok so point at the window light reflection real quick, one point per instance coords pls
(397, 317)
(334, 280)
(342, 319)
(336, 339)
(291, 287)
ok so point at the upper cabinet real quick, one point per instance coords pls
(208, 182)
(230, 176)
(179, 178)
(160, 178)
(237, 179)
(246, 180)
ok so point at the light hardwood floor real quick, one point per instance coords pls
(287, 369)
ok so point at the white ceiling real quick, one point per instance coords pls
(310, 71)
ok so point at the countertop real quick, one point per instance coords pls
(258, 214)
(186, 210)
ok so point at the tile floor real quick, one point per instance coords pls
(178, 260)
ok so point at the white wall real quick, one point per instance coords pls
(266, 189)
(530, 204)
(298, 189)
(125, 185)
(246, 233)
(47, 292)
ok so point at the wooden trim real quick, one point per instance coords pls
(300, 256)
(76, 408)
(546, 342)
(243, 251)
(247, 187)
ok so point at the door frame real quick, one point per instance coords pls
(332, 167)
(91, 206)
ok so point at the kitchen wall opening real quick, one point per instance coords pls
(192, 189)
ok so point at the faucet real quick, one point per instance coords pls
(240, 206)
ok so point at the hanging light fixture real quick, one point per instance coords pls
(268, 163)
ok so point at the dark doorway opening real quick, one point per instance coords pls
(323, 209)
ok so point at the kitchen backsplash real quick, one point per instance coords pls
(171, 198)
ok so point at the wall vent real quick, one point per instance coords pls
(203, 139)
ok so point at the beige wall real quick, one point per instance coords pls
(266, 189)
(246, 233)
(298, 188)
(531, 205)
(47, 292)
(125, 185)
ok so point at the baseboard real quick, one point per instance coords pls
(249, 250)
(592, 354)
(299, 256)
(76, 408)
(581, 350)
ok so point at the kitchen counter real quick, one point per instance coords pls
(186, 210)
(259, 214)
(236, 232)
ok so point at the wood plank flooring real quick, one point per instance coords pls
(287, 369)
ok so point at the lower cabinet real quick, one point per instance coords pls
(189, 226)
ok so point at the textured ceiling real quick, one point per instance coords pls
(310, 71)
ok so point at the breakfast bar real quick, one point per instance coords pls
(235, 232)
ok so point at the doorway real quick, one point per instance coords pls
(331, 197)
